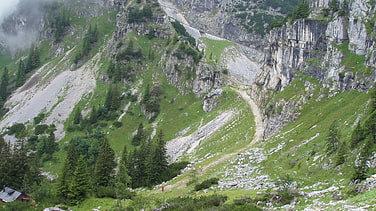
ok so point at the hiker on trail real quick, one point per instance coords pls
(162, 188)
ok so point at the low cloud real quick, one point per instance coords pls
(19, 23)
(7, 7)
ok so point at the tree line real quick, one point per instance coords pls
(143, 167)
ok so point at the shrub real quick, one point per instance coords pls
(106, 191)
(206, 184)
(39, 118)
(136, 15)
(201, 203)
(118, 124)
(175, 168)
(179, 28)
(40, 129)
(16, 128)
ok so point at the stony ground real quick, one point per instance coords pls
(52, 90)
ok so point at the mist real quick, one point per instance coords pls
(20, 23)
(7, 7)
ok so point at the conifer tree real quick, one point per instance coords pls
(123, 180)
(69, 167)
(147, 151)
(340, 157)
(333, 139)
(136, 168)
(5, 158)
(122, 175)
(108, 100)
(105, 164)
(302, 10)
(51, 145)
(160, 163)
(77, 117)
(79, 188)
(139, 137)
(20, 78)
(32, 177)
(4, 85)
(93, 116)
(19, 165)
(33, 61)
(112, 102)
(115, 104)
(111, 71)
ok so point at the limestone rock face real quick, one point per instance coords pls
(315, 48)
(215, 17)
(210, 100)
(320, 49)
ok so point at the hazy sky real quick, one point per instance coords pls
(7, 7)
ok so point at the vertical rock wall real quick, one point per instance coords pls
(318, 48)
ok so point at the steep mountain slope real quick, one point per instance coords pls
(332, 46)
(304, 137)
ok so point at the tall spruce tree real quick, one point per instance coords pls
(33, 60)
(5, 161)
(79, 188)
(123, 180)
(105, 164)
(333, 139)
(33, 177)
(69, 167)
(160, 163)
(147, 150)
(21, 77)
(139, 137)
(112, 101)
(93, 116)
(136, 168)
(19, 165)
(4, 85)
(77, 117)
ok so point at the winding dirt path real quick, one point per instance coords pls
(174, 13)
(258, 136)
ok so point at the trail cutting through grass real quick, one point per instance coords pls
(258, 136)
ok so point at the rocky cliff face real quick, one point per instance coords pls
(215, 17)
(338, 51)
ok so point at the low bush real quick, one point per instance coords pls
(206, 184)
(16, 128)
(118, 124)
(105, 191)
(201, 203)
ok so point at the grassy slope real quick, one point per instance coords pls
(214, 48)
(179, 112)
(314, 121)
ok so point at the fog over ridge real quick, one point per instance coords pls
(6, 8)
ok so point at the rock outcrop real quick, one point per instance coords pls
(182, 69)
(214, 17)
(338, 51)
